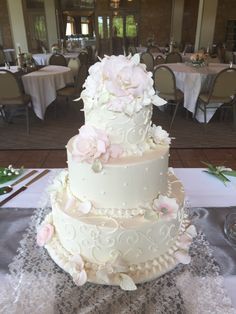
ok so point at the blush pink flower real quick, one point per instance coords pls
(123, 77)
(77, 271)
(45, 234)
(92, 144)
(165, 206)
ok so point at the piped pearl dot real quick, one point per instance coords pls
(161, 173)
(125, 167)
(125, 184)
(146, 169)
(168, 155)
(162, 157)
(103, 192)
(124, 204)
(145, 188)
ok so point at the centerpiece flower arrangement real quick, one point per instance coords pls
(199, 59)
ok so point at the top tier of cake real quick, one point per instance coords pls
(117, 99)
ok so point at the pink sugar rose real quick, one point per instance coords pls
(92, 144)
(45, 234)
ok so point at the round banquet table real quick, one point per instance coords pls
(43, 58)
(42, 86)
(193, 80)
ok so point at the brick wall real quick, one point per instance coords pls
(5, 25)
(226, 11)
(155, 21)
(190, 21)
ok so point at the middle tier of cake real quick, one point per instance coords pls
(124, 183)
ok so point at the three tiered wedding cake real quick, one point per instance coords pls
(118, 214)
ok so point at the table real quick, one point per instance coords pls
(43, 58)
(42, 86)
(194, 182)
(193, 80)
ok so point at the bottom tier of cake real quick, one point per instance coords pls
(113, 247)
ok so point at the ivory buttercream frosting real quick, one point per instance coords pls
(118, 213)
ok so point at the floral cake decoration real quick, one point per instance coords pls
(121, 83)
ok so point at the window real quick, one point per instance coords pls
(100, 27)
(69, 26)
(131, 27)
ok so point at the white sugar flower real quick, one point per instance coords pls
(159, 135)
(165, 206)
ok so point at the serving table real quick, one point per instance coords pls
(43, 286)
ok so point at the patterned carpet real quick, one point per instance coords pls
(55, 131)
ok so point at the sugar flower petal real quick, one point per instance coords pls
(45, 234)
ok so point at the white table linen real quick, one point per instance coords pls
(194, 181)
(193, 80)
(13, 68)
(43, 58)
(42, 86)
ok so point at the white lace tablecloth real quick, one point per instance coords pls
(36, 285)
(42, 86)
(193, 80)
(43, 58)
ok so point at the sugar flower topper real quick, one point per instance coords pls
(165, 206)
(120, 83)
(220, 172)
(45, 234)
(159, 135)
(93, 144)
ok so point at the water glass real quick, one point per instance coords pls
(230, 227)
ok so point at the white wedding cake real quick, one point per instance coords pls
(118, 215)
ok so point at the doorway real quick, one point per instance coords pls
(116, 32)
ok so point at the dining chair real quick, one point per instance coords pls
(222, 91)
(57, 59)
(89, 51)
(12, 97)
(159, 60)
(148, 60)
(74, 91)
(132, 50)
(154, 49)
(173, 57)
(2, 56)
(83, 57)
(165, 86)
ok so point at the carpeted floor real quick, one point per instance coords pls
(55, 131)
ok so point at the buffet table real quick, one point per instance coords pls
(202, 190)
